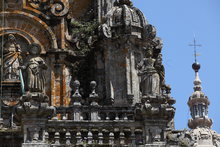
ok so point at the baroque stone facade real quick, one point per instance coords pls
(89, 73)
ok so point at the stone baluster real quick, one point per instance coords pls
(1, 122)
(107, 116)
(122, 138)
(100, 137)
(90, 138)
(133, 138)
(116, 116)
(125, 116)
(139, 136)
(68, 137)
(46, 135)
(78, 138)
(111, 138)
(57, 138)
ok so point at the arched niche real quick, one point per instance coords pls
(30, 27)
(22, 40)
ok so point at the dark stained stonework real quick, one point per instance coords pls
(89, 73)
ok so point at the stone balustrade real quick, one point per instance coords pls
(93, 136)
(95, 113)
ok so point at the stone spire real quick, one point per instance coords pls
(198, 104)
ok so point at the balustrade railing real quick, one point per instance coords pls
(94, 137)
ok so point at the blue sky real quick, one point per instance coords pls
(177, 21)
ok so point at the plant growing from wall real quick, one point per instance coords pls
(83, 35)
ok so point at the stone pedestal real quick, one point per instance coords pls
(35, 112)
(157, 113)
(11, 92)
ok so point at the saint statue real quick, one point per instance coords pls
(160, 70)
(35, 66)
(150, 79)
(11, 58)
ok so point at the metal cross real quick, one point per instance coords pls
(195, 48)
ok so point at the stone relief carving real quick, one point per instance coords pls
(55, 8)
(11, 58)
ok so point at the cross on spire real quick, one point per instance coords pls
(195, 48)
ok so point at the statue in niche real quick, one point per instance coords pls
(35, 66)
(150, 79)
(11, 58)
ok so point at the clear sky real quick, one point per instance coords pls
(177, 21)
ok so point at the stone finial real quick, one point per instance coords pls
(93, 85)
(76, 97)
(93, 97)
(76, 85)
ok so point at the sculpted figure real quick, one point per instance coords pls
(160, 69)
(35, 66)
(150, 79)
(11, 58)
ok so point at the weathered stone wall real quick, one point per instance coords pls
(71, 42)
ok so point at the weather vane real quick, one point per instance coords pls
(195, 48)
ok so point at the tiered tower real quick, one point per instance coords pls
(200, 123)
(198, 104)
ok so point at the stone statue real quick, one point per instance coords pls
(11, 58)
(35, 65)
(150, 79)
(160, 69)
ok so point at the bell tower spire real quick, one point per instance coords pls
(198, 102)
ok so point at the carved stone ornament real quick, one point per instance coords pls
(56, 7)
(37, 3)
(105, 31)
